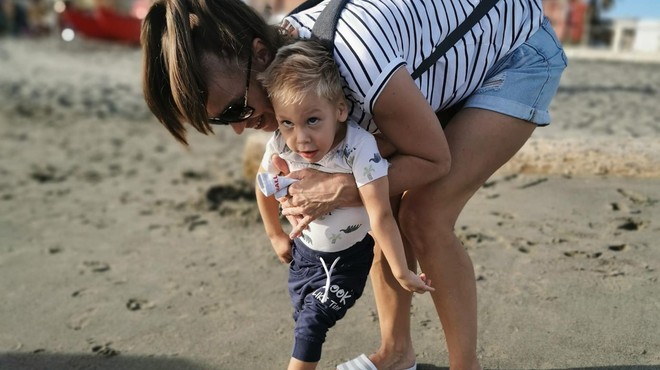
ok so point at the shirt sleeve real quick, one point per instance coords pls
(364, 158)
(270, 150)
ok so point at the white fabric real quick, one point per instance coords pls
(328, 276)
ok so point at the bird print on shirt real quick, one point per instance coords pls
(376, 158)
(350, 229)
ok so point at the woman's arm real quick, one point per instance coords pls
(410, 130)
(408, 123)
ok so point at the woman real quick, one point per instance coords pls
(201, 58)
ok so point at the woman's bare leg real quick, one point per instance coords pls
(480, 142)
(396, 350)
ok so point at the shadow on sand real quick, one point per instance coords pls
(617, 367)
(50, 361)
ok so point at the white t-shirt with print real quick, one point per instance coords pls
(356, 154)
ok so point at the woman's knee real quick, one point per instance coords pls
(423, 223)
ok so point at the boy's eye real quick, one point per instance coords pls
(286, 124)
(312, 121)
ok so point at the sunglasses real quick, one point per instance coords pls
(237, 111)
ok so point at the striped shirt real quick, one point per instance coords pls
(374, 38)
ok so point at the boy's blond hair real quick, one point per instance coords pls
(299, 69)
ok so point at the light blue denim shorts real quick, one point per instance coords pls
(524, 82)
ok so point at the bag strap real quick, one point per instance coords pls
(479, 12)
(326, 23)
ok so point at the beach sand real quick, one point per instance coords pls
(121, 249)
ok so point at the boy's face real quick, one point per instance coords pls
(312, 127)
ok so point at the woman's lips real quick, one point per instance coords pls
(260, 123)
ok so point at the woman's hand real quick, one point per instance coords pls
(314, 195)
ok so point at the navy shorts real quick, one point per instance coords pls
(317, 304)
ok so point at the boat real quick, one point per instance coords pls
(102, 23)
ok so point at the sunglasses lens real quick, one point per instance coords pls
(235, 113)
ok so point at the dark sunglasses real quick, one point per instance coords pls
(236, 112)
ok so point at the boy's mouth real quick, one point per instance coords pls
(308, 154)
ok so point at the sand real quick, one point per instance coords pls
(120, 249)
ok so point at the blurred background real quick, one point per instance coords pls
(614, 25)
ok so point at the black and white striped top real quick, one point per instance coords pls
(376, 37)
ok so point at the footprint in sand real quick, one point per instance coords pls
(47, 174)
(104, 350)
(630, 224)
(94, 266)
(533, 183)
(80, 321)
(637, 198)
(618, 247)
(136, 304)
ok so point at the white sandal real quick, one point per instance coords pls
(363, 362)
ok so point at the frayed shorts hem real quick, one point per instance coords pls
(510, 108)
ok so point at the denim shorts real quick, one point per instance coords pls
(524, 82)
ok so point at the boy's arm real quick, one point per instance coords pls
(269, 210)
(375, 196)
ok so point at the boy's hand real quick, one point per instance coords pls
(282, 246)
(416, 283)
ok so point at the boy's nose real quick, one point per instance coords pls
(302, 137)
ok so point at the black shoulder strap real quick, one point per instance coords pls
(326, 23)
(479, 12)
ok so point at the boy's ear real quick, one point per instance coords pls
(261, 54)
(342, 107)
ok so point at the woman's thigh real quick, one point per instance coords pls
(480, 142)
(490, 127)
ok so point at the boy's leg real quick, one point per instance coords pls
(295, 364)
(319, 312)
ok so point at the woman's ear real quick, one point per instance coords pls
(261, 54)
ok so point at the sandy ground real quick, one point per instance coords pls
(120, 249)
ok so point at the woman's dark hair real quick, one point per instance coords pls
(176, 34)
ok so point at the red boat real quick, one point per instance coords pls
(103, 23)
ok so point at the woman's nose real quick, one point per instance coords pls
(238, 127)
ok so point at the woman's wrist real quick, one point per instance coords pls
(347, 192)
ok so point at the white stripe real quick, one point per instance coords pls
(369, 29)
